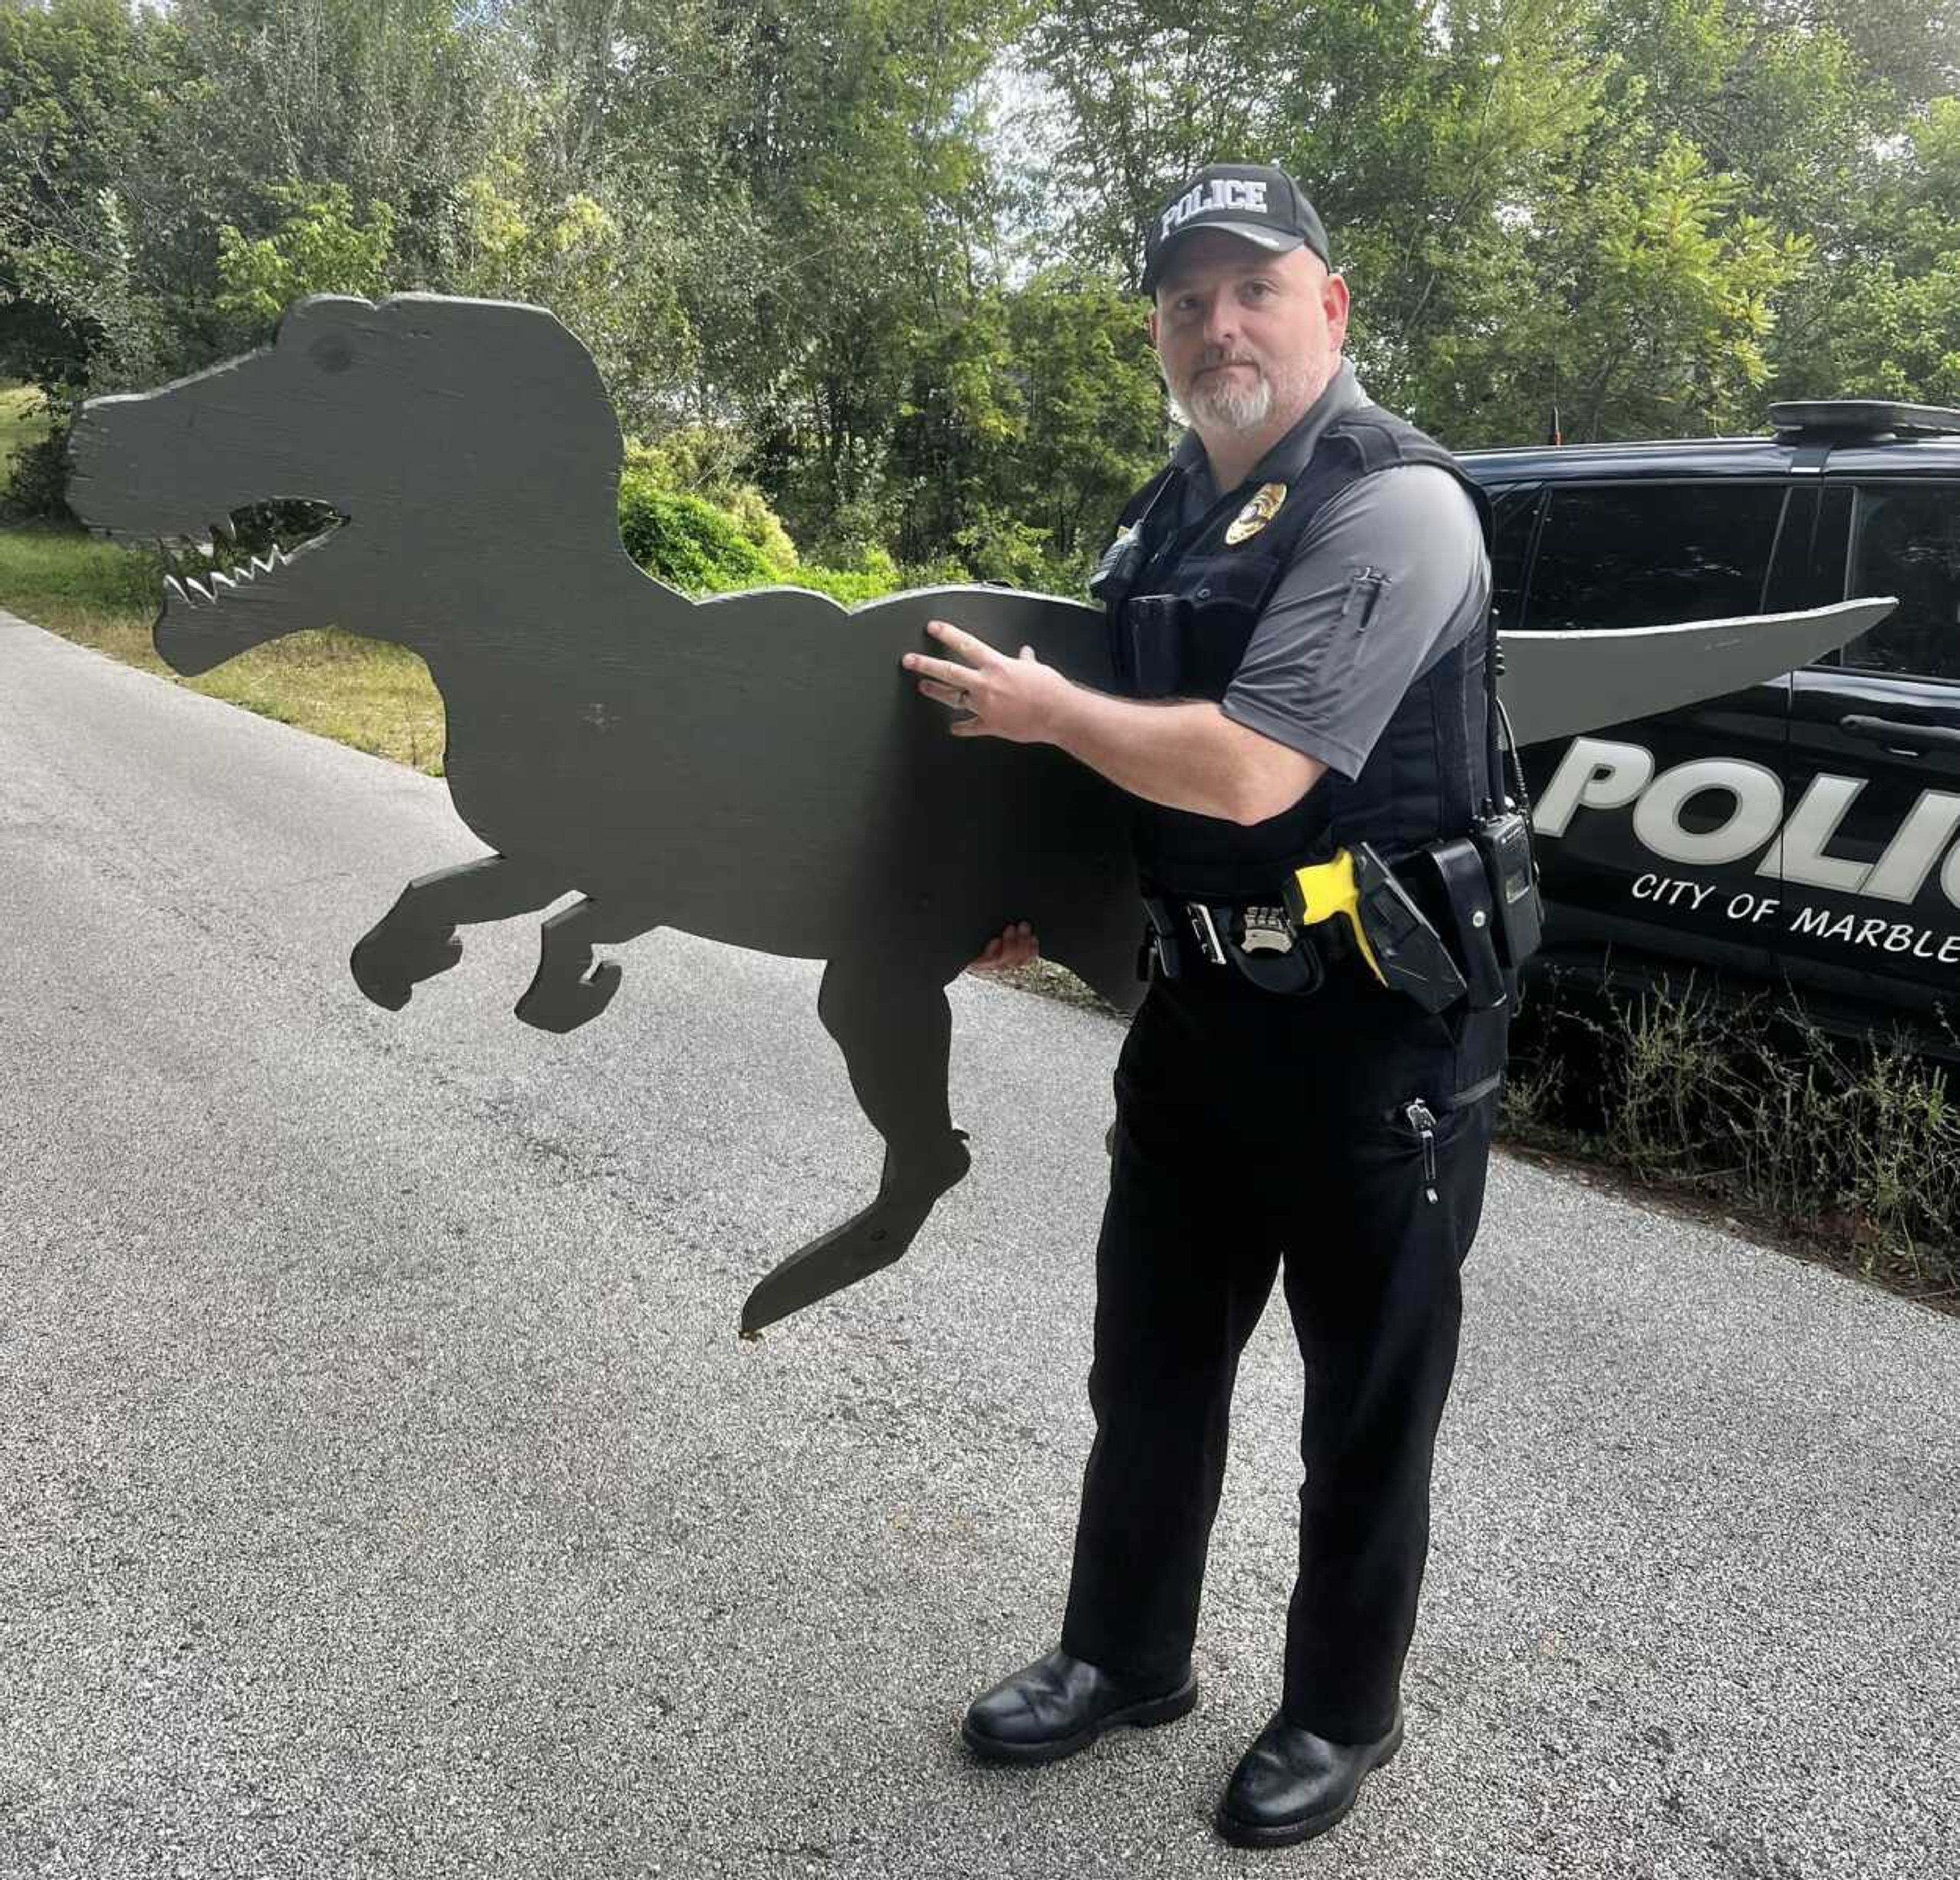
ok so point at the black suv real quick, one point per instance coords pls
(1802, 831)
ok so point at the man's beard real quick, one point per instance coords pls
(1218, 400)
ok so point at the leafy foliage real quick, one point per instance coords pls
(686, 542)
(85, 89)
(317, 247)
(858, 271)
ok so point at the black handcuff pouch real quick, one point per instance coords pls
(1454, 879)
(1460, 893)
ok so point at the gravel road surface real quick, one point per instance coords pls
(384, 1491)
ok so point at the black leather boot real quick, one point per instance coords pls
(1292, 1785)
(1059, 1704)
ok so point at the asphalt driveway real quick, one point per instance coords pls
(384, 1490)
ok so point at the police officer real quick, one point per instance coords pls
(1300, 606)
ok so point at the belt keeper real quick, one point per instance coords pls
(1165, 941)
(1204, 931)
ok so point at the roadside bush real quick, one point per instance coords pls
(874, 575)
(1852, 1145)
(36, 486)
(695, 463)
(704, 547)
(686, 542)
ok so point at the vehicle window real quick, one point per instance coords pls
(1907, 543)
(1514, 516)
(1813, 547)
(1649, 555)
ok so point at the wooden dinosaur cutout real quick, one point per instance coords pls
(754, 768)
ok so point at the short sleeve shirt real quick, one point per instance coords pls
(1389, 576)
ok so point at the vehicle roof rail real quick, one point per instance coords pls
(1862, 418)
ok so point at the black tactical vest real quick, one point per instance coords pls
(1180, 625)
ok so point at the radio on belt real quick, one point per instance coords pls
(1504, 842)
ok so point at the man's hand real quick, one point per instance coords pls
(1017, 946)
(1015, 699)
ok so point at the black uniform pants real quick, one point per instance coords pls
(1255, 1132)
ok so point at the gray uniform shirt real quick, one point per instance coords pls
(1390, 575)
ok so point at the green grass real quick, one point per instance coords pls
(376, 697)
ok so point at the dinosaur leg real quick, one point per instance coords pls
(895, 1035)
(416, 939)
(568, 988)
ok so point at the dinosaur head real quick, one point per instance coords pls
(448, 437)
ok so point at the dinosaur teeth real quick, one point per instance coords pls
(211, 585)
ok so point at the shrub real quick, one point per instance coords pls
(1851, 1144)
(999, 548)
(686, 542)
(695, 463)
(875, 574)
(36, 487)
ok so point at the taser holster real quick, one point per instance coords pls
(1394, 937)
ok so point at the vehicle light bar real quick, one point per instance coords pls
(1864, 417)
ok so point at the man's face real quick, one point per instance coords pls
(1247, 339)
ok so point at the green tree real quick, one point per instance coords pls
(317, 247)
(397, 101)
(85, 89)
(810, 261)
(1661, 306)
(602, 259)
(831, 156)
(1879, 316)
(1610, 204)
(1911, 48)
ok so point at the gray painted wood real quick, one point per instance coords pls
(1556, 685)
(756, 768)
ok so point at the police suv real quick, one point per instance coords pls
(1801, 832)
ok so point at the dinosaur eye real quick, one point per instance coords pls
(331, 353)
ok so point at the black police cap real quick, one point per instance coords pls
(1254, 201)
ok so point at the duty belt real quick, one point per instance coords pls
(1351, 904)
(1258, 938)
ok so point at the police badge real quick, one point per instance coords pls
(1264, 506)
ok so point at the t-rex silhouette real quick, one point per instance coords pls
(754, 768)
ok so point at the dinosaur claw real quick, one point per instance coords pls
(870, 1240)
(554, 1006)
(387, 970)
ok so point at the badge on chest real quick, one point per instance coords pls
(1264, 506)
